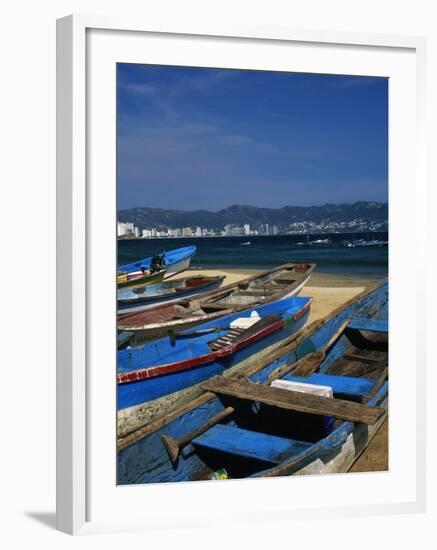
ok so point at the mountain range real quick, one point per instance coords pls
(239, 214)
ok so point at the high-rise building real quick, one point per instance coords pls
(121, 229)
(198, 231)
(246, 229)
(187, 232)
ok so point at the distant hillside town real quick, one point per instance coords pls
(240, 220)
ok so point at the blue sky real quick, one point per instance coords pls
(193, 138)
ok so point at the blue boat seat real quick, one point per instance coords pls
(344, 385)
(371, 325)
(236, 441)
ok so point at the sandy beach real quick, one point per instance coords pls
(328, 291)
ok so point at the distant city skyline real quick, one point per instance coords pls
(195, 138)
(238, 220)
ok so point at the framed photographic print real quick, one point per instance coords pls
(232, 212)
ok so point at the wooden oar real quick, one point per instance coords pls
(173, 446)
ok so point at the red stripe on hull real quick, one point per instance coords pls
(187, 364)
(302, 311)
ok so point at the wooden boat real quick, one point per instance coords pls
(143, 278)
(249, 426)
(282, 282)
(140, 298)
(185, 359)
(174, 261)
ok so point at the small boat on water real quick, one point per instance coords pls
(377, 243)
(182, 360)
(282, 282)
(311, 407)
(316, 243)
(139, 278)
(174, 261)
(247, 243)
(144, 297)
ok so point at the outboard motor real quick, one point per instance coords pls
(157, 263)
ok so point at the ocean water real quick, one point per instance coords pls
(268, 252)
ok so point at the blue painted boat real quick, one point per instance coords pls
(167, 292)
(174, 261)
(247, 426)
(168, 365)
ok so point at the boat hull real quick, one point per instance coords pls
(189, 372)
(178, 267)
(131, 306)
(175, 261)
(347, 453)
(149, 279)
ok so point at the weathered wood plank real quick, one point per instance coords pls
(295, 401)
(361, 358)
(378, 384)
(309, 364)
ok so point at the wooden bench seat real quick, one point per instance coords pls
(236, 441)
(294, 401)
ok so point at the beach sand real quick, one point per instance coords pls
(328, 291)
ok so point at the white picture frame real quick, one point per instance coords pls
(75, 215)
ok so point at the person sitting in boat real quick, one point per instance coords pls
(157, 263)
